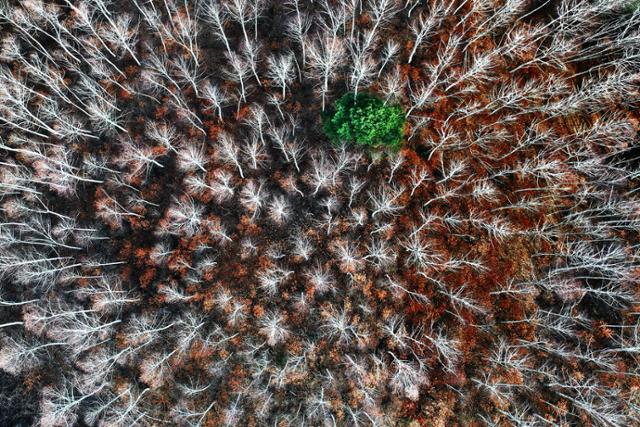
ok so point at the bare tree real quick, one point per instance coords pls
(274, 329)
(298, 27)
(241, 12)
(281, 70)
(325, 56)
(426, 24)
(217, 15)
(217, 97)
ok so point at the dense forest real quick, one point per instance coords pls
(319, 213)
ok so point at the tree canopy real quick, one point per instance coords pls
(365, 120)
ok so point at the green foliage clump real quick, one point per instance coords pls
(365, 120)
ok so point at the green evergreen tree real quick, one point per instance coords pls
(365, 120)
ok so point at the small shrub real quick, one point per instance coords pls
(365, 120)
